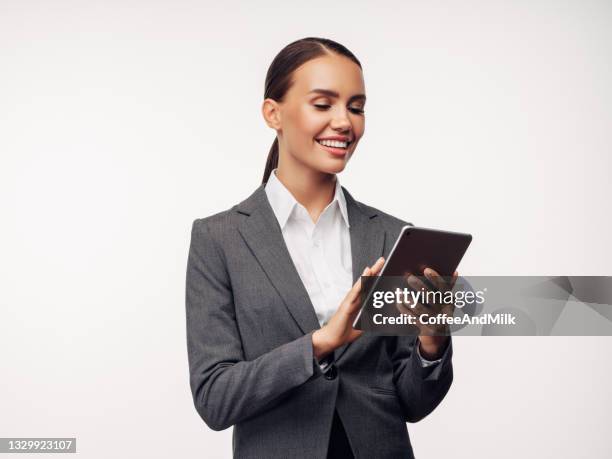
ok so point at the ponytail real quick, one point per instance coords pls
(272, 162)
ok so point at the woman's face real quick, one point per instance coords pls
(322, 115)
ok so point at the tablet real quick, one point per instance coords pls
(418, 248)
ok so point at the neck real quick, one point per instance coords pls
(311, 188)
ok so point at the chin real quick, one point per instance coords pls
(334, 166)
(328, 163)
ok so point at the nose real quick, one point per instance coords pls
(341, 121)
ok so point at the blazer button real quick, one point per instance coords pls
(331, 373)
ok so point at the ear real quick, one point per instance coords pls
(271, 113)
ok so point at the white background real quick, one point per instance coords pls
(123, 121)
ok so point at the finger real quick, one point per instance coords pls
(420, 309)
(437, 280)
(421, 306)
(411, 306)
(353, 293)
(354, 334)
(416, 307)
(417, 311)
(377, 266)
(404, 309)
(416, 283)
(454, 279)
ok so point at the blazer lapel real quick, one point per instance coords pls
(367, 242)
(264, 237)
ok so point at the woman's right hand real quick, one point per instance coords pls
(339, 330)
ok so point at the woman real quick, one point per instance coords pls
(273, 286)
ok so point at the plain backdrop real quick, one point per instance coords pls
(123, 121)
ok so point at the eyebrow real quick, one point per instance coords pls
(330, 93)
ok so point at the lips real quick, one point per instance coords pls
(334, 143)
(335, 147)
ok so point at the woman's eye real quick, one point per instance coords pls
(356, 110)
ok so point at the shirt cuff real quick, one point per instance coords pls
(424, 362)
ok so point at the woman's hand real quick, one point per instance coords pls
(339, 330)
(433, 338)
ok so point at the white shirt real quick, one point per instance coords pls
(321, 251)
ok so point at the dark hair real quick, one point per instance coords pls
(280, 72)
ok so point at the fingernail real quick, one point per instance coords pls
(365, 271)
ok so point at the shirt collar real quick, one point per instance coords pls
(282, 201)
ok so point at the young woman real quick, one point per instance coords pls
(273, 286)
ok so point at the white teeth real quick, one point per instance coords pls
(333, 143)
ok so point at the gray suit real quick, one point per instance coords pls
(249, 327)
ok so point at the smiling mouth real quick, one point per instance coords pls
(337, 145)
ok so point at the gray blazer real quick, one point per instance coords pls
(251, 363)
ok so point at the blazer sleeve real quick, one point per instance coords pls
(420, 389)
(226, 388)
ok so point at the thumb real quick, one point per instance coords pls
(377, 266)
(353, 293)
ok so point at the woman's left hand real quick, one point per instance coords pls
(433, 338)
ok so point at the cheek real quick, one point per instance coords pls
(359, 127)
(310, 123)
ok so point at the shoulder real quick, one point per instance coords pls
(222, 223)
(217, 224)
